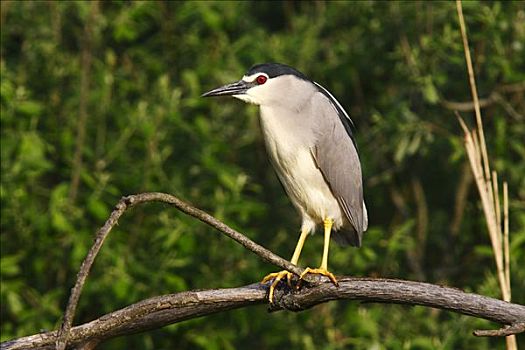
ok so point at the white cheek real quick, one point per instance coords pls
(247, 98)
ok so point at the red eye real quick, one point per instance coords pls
(261, 79)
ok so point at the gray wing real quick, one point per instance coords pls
(336, 156)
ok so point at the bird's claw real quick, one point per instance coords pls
(277, 277)
(318, 271)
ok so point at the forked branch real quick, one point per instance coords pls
(160, 311)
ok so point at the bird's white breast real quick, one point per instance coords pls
(289, 147)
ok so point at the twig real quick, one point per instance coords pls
(163, 310)
(126, 203)
(468, 106)
(502, 332)
(495, 97)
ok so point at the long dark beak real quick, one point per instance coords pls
(237, 88)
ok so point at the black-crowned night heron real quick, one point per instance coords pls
(309, 140)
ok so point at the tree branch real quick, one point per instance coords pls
(130, 201)
(502, 332)
(163, 310)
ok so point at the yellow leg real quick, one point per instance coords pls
(278, 276)
(299, 247)
(323, 269)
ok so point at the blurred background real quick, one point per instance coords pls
(101, 100)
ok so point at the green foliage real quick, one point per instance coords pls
(393, 65)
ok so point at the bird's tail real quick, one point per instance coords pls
(346, 236)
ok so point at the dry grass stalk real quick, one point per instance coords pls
(506, 234)
(476, 149)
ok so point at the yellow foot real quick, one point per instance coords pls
(276, 277)
(319, 271)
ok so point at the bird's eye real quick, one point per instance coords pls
(261, 79)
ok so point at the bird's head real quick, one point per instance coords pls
(266, 83)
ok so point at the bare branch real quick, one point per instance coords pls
(163, 310)
(494, 97)
(120, 208)
(469, 106)
(502, 332)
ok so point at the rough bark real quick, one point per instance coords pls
(163, 310)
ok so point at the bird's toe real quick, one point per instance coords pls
(319, 271)
(276, 277)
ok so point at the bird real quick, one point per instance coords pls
(310, 142)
